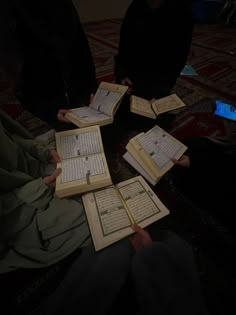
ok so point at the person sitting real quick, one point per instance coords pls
(38, 230)
(206, 173)
(162, 279)
(155, 39)
(50, 53)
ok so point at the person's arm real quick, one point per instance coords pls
(200, 153)
(36, 193)
(37, 150)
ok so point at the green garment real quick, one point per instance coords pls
(36, 228)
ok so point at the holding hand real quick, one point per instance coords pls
(184, 161)
(61, 115)
(128, 82)
(54, 157)
(51, 179)
(140, 239)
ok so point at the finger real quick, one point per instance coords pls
(55, 174)
(138, 229)
(61, 115)
(56, 157)
(129, 81)
(153, 100)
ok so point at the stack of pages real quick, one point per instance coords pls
(152, 153)
(102, 109)
(83, 161)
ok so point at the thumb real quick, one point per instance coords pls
(55, 174)
(138, 229)
(51, 179)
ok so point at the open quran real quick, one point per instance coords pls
(102, 109)
(152, 153)
(112, 210)
(145, 108)
(83, 161)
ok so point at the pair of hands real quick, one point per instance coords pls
(139, 240)
(54, 158)
(128, 82)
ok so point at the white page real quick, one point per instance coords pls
(89, 114)
(78, 168)
(105, 101)
(138, 201)
(80, 144)
(142, 104)
(131, 160)
(160, 146)
(111, 211)
(168, 103)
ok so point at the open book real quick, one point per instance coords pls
(83, 162)
(103, 107)
(111, 211)
(154, 152)
(143, 107)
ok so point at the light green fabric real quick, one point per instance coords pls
(36, 228)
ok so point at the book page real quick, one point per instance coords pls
(88, 114)
(108, 214)
(111, 211)
(167, 104)
(134, 163)
(138, 200)
(82, 167)
(105, 101)
(83, 162)
(107, 217)
(160, 146)
(80, 144)
(141, 106)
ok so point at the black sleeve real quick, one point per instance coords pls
(121, 66)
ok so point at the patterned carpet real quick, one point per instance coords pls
(213, 55)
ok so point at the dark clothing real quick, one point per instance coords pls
(58, 70)
(154, 45)
(166, 280)
(210, 180)
(159, 279)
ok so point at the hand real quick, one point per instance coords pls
(127, 81)
(140, 239)
(54, 157)
(51, 179)
(153, 100)
(184, 161)
(61, 115)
